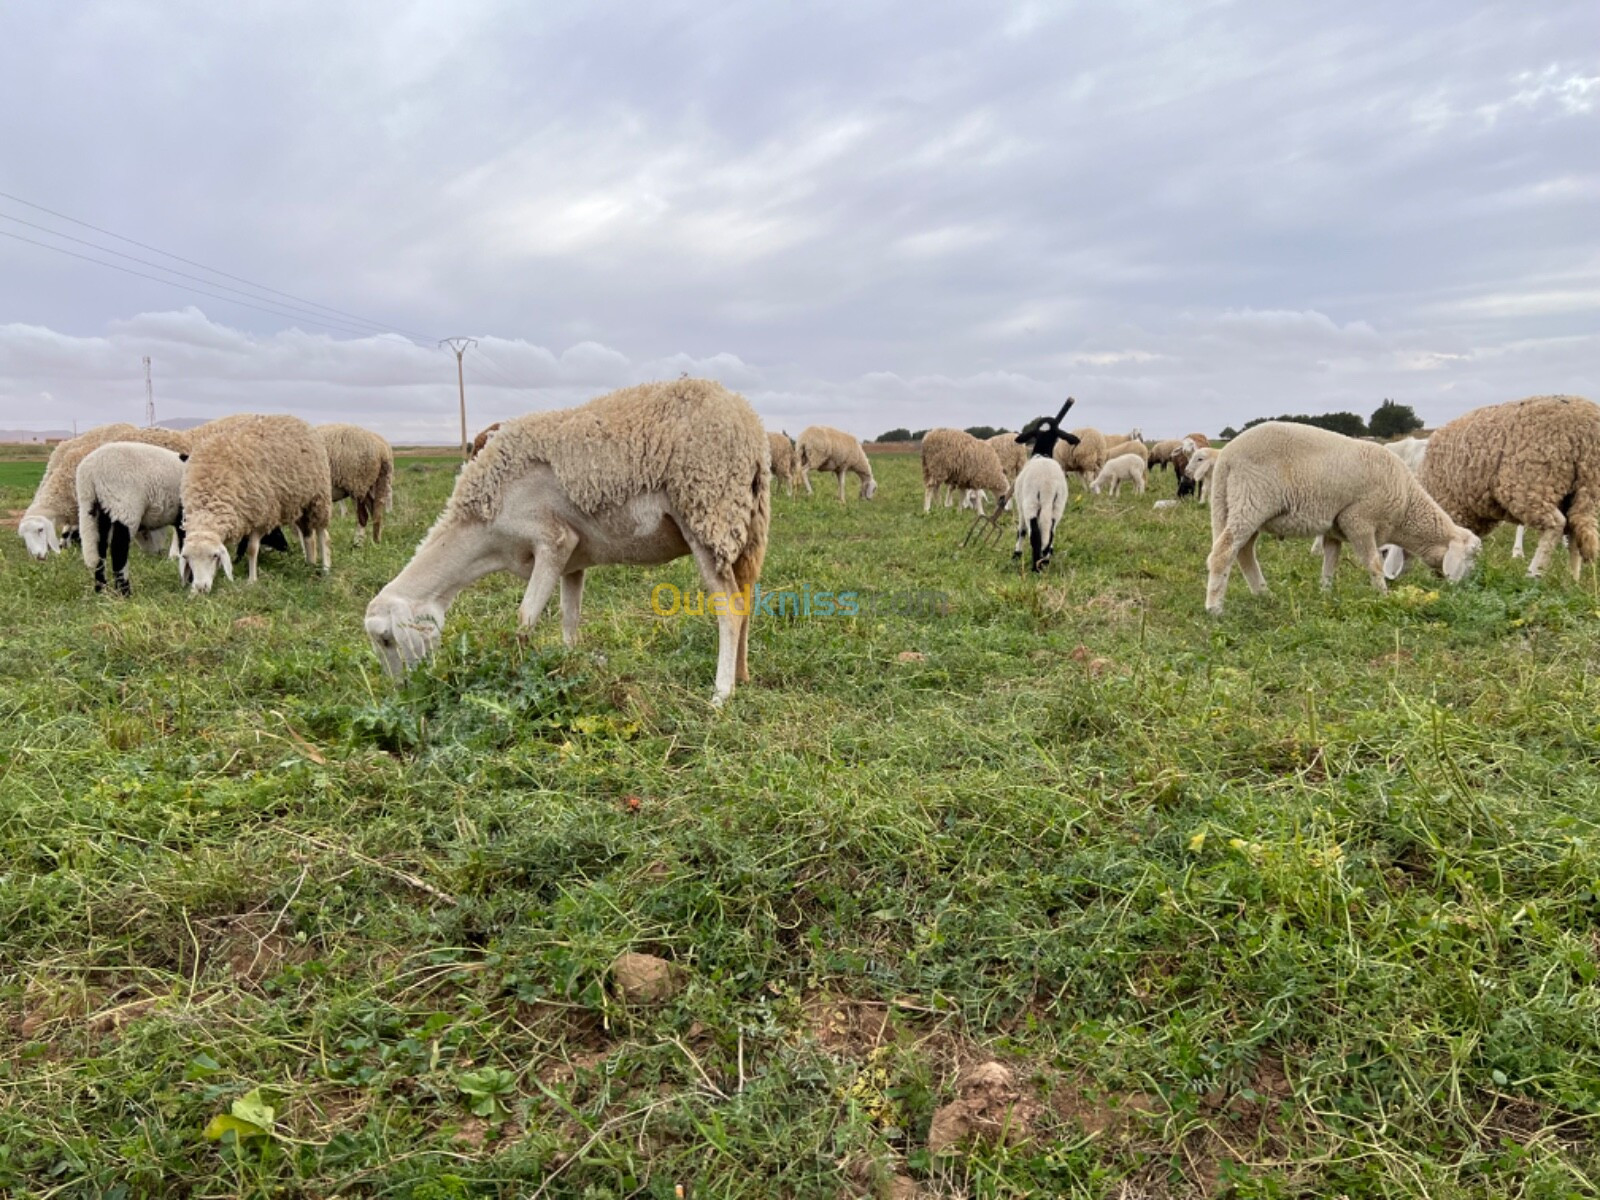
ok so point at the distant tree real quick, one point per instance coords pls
(983, 431)
(1347, 423)
(1393, 420)
(919, 435)
(895, 435)
(1228, 434)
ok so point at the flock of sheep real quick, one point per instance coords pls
(661, 471)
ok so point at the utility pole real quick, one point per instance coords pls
(149, 396)
(459, 345)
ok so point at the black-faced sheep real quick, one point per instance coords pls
(248, 476)
(640, 477)
(1533, 461)
(822, 448)
(1299, 481)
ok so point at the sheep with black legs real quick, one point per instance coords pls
(1040, 490)
(52, 515)
(639, 477)
(360, 467)
(822, 448)
(127, 492)
(1294, 480)
(249, 475)
(953, 460)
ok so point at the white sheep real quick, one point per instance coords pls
(822, 448)
(1294, 480)
(127, 492)
(953, 459)
(361, 468)
(640, 477)
(248, 476)
(1125, 468)
(53, 512)
(1040, 495)
(1199, 467)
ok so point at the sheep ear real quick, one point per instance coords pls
(52, 539)
(227, 563)
(1071, 439)
(183, 458)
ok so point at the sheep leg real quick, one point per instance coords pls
(1219, 565)
(1364, 545)
(1330, 559)
(326, 533)
(102, 542)
(1516, 546)
(978, 500)
(927, 498)
(840, 474)
(121, 542)
(550, 554)
(1548, 537)
(571, 606)
(805, 478)
(377, 522)
(362, 515)
(1249, 567)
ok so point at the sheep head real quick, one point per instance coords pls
(39, 536)
(403, 633)
(203, 552)
(1460, 555)
(869, 488)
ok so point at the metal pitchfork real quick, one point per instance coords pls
(987, 529)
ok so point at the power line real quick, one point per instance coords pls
(213, 270)
(325, 324)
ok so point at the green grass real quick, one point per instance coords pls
(1304, 901)
(20, 476)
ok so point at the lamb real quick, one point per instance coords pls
(249, 475)
(953, 459)
(361, 467)
(1161, 452)
(640, 477)
(55, 503)
(783, 459)
(1199, 467)
(1125, 468)
(1533, 461)
(479, 442)
(1041, 495)
(127, 491)
(1299, 481)
(822, 448)
(1084, 457)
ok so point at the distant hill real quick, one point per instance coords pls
(34, 435)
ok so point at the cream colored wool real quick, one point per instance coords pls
(1533, 461)
(1118, 470)
(360, 467)
(56, 499)
(785, 463)
(135, 484)
(1293, 480)
(693, 439)
(1086, 458)
(823, 448)
(250, 475)
(1131, 446)
(955, 459)
(1013, 456)
(1161, 452)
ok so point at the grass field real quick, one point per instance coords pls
(1302, 901)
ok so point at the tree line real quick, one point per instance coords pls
(1388, 420)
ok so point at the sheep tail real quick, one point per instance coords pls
(1585, 502)
(383, 489)
(747, 566)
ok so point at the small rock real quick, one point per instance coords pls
(987, 1108)
(903, 1187)
(645, 979)
(911, 656)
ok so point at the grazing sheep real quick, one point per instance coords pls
(1013, 456)
(1085, 457)
(1533, 461)
(1199, 467)
(1128, 446)
(784, 461)
(248, 476)
(53, 513)
(954, 459)
(1125, 468)
(822, 448)
(640, 477)
(361, 467)
(482, 440)
(1041, 497)
(127, 491)
(1161, 452)
(1294, 480)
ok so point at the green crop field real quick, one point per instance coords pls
(1301, 901)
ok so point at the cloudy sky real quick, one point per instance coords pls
(865, 213)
